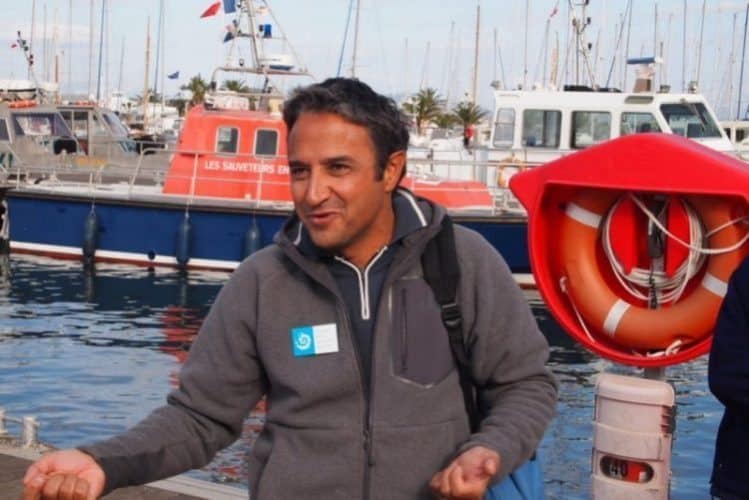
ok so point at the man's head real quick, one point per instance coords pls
(346, 157)
(357, 103)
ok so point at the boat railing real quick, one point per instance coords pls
(28, 431)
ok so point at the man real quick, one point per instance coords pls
(728, 373)
(336, 326)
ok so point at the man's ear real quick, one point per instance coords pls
(394, 170)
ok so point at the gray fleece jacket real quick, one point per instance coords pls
(325, 435)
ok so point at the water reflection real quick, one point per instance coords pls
(91, 351)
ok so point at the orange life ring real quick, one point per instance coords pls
(28, 103)
(637, 327)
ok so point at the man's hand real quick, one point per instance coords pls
(64, 475)
(468, 476)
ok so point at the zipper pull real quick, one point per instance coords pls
(368, 448)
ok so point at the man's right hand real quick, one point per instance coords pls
(64, 475)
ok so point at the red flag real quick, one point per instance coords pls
(14, 46)
(554, 10)
(211, 11)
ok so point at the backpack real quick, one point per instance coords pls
(441, 272)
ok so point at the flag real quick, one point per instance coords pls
(211, 11)
(230, 6)
(229, 36)
(554, 10)
(14, 46)
(173, 76)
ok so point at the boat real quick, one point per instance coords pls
(737, 132)
(225, 191)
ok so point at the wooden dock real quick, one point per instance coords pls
(15, 461)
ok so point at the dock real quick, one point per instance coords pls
(14, 462)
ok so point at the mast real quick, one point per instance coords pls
(90, 46)
(122, 61)
(699, 48)
(474, 89)
(163, 58)
(626, 48)
(70, 47)
(525, 49)
(655, 41)
(743, 55)
(101, 46)
(145, 74)
(31, 39)
(345, 37)
(731, 59)
(425, 68)
(356, 39)
(684, 51)
(159, 29)
(45, 61)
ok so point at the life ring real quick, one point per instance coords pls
(635, 326)
(28, 103)
(503, 178)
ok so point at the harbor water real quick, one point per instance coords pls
(89, 353)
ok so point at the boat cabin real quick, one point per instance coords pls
(32, 134)
(99, 131)
(231, 153)
(539, 126)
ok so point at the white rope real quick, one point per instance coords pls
(669, 289)
(563, 287)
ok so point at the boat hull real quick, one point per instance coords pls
(146, 232)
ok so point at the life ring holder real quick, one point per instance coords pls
(634, 328)
(503, 179)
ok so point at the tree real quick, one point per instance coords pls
(445, 120)
(198, 87)
(425, 106)
(467, 113)
(235, 86)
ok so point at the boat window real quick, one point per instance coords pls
(589, 128)
(740, 134)
(541, 128)
(638, 122)
(266, 142)
(690, 119)
(41, 124)
(504, 128)
(99, 128)
(227, 140)
(80, 124)
(114, 123)
(4, 136)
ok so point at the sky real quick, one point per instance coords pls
(402, 45)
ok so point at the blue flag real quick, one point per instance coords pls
(229, 35)
(173, 76)
(230, 6)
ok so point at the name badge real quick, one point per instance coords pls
(314, 340)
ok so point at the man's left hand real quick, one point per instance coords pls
(468, 476)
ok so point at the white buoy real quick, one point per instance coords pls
(633, 430)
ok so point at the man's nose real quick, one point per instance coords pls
(318, 188)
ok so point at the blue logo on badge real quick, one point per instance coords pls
(303, 341)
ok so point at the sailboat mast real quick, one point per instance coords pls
(70, 47)
(699, 48)
(474, 88)
(159, 28)
(101, 50)
(163, 57)
(684, 51)
(90, 45)
(31, 39)
(743, 55)
(356, 39)
(252, 26)
(145, 74)
(122, 62)
(525, 49)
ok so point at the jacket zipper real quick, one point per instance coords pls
(367, 444)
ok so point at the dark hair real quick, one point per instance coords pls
(358, 103)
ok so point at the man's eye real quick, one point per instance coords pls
(298, 172)
(338, 167)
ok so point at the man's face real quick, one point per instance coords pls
(335, 189)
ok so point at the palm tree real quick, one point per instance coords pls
(235, 86)
(424, 106)
(197, 86)
(467, 113)
(445, 120)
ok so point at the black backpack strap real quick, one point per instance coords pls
(441, 272)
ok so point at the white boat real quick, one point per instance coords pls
(737, 132)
